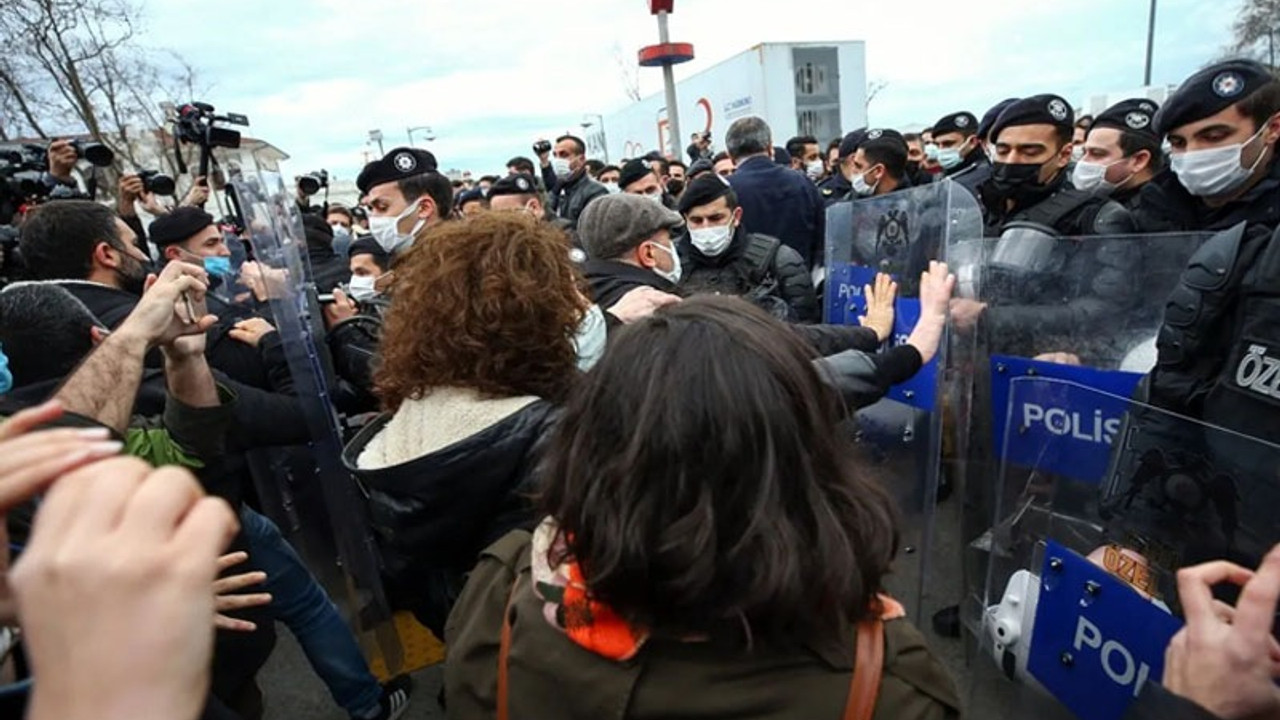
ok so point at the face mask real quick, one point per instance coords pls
(675, 187)
(949, 157)
(1217, 171)
(362, 287)
(385, 229)
(217, 266)
(712, 241)
(591, 338)
(561, 167)
(814, 169)
(673, 275)
(860, 186)
(340, 233)
(656, 198)
(6, 377)
(931, 151)
(1009, 180)
(1092, 178)
(1077, 153)
(612, 188)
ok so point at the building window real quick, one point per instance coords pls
(811, 79)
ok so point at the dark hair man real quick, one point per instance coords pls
(879, 166)
(775, 200)
(1121, 152)
(405, 194)
(520, 164)
(608, 177)
(915, 159)
(574, 186)
(724, 258)
(637, 178)
(960, 152)
(806, 156)
(677, 173)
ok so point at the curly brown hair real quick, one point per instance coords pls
(491, 304)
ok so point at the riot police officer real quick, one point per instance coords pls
(839, 186)
(960, 151)
(1121, 152)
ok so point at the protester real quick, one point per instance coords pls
(625, 576)
(342, 223)
(574, 188)
(609, 176)
(774, 200)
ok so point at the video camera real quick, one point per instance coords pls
(312, 183)
(157, 182)
(197, 124)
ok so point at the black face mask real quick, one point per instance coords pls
(675, 187)
(1020, 182)
(913, 167)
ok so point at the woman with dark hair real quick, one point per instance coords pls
(477, 348)
(711, 548)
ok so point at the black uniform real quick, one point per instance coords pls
(1164, 205)
(835, 188)
(757, 267)
(571, 197)
(972, 172)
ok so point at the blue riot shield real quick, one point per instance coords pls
(899, 234)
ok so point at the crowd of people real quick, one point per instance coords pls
(604, 435)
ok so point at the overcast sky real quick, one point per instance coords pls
(314, 76)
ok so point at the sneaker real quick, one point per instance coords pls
(395, 699)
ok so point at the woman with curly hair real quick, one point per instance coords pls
(478, 348)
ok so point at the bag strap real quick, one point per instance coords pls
(504, 652)
(868, 668)
(759, 255)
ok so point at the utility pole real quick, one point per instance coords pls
(1151, 43)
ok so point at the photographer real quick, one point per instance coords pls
(143, 190)
(700, 147)
(307, 186)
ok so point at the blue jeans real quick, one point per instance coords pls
(299, 602)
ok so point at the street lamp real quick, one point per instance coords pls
(410, 131)
(376, 136)
(604, 142)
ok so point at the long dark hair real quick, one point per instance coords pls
(698, 476)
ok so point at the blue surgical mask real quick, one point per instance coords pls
(217, 265)
(6, 377)
(949, 157)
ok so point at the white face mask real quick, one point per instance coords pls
(860, 186)
(591, 338)
(673, 275)
(385, 229)
(1217, 171)
(613, 188)
(1092, 178)
(362, 287)
(656, 198)
(712, 241)
(1077, 153)
(561, 167)
(815, 169)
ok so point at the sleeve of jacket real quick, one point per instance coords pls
(551, 182)
(796, 285)
(863, 379)
(818, 207)
(200, 431)
(833, 339)
(262, 418)
(1156, 703)
(271, 352)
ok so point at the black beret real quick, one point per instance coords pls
(653, 155)
(884, 139)
(1211, 91)
(1136, 115)
(178, 225)
(990, 117)
(961, 122)
(705, 189)
(367, 245)
(701, 165)
(634, 170)
(850, 143)
(472, 195)
(1036, 110)
(514, 184)
(400, 163)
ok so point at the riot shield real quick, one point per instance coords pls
(899, 234)
(275, 235)
(1100, 500)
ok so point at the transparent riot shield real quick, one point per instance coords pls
(275, 237)
(1099, 501)
(899, 234)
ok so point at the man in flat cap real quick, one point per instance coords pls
(1222, 125)
(630, 243)
(1122, 152)
(719, 256)
(1029, 182)
(960, 151)
(405, 194)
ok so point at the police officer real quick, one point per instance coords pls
(519, 193)
(1222, 125)
(1121, 152)
(1032, 139)
(719, 256)
(960, 150)
(839, 186)
(879, 165)
(405, 194)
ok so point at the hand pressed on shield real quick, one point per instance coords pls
(880, 299)
(1226, 660)
(114, 593)
(936, 286)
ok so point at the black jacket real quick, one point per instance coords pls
(571, 197)
(1156, 703)
(433, 515)
(782, 276)
(1164, 205)
(1088, 215)
(326, 269)
(835, 188)
(610, 280)
(780, 202)
(972, 172)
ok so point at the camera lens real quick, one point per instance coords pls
(309, 184)
(98, 154)
(161, 184)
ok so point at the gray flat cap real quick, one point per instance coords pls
(612, 225)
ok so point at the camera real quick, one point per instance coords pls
(542, 147)
(97, 154)
(312, 183)
(157, 182)
(197, 124)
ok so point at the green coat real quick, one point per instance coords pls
(552, 677)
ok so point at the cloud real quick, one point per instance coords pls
(314, 77)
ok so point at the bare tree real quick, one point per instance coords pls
(1255, 29)
(874, 88)
(628, 72)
